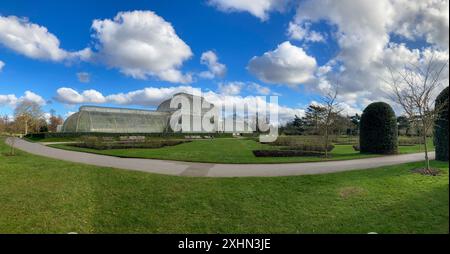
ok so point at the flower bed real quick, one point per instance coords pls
(285, 153)
(100, 143)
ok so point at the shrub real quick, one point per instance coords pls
(410, 141)
(441, 127)
(295, 141)
(38, 136)
(310, 148)
(378, 129)
(284, 153)
(100, 143)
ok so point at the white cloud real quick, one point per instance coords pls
(34, 41)
(258, 89)
(30, 96)
(11, 100)
(215, 68)
(239, 102)
(70, 96)
(84, 77)
(363, 33)
(258, 8)
(231, 88)
(302, 32)
(8, 99)
(150, 96)
(2, 64)
(141, 44)
(428, 19)
(287, 64)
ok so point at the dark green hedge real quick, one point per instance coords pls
(441, 127)
(100, 134)
(100, 145)
(285, 153)
(378, 129)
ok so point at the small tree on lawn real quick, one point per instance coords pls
(331, 115)
(414, 87)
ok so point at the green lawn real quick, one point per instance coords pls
(41, 195)
(227, 150)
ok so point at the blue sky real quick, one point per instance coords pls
(243, 37)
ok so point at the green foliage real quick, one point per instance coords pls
(285, 153)
(409, 141)
(295, 127)
(441, 127)
(48, 135)
(310, 148)
(378, 133)
(106, 143)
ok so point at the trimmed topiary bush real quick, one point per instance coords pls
(378, 129)
(441, 127)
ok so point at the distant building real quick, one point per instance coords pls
(122, 120)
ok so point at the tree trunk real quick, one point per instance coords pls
(12, 144)
(26, 127)
(326, 142)
(427, 160)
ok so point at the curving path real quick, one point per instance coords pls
(215, 170)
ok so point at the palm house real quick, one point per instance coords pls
(121, 120)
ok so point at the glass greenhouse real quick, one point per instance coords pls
(121, 120)
(116, 120)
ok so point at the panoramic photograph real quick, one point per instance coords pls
(221, 118)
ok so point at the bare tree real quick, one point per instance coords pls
(54, 121)
(28, 114)
(331, 114)
(414, 88)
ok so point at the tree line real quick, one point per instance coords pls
(29, 117)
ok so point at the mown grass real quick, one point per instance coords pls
(42, 195)
(229, 150)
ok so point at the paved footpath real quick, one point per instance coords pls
(216, 170)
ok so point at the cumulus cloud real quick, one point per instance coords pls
(364, 31)
(231, 88)
(258, 89)
(35, 41)
(7, 99)
(427, 19)
(258, 8)
(235, 88)
(244, 104)
(302, 32)
(2, 64)
(150, 96)
(71, 96)
(84, 77)
(287, 64)
(11, 100)
(215, 68)
(141, 44)
(30, 96)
